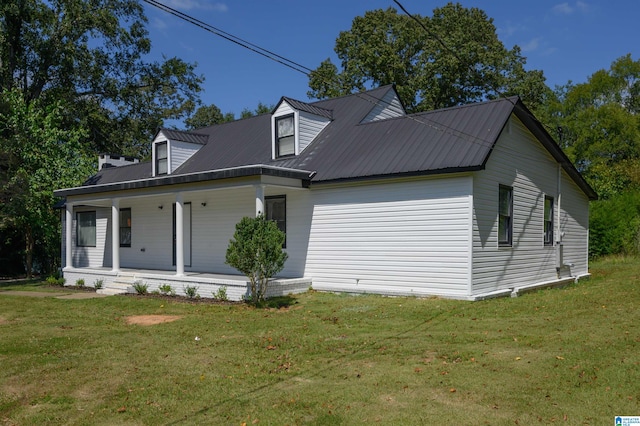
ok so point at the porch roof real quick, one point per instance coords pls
(234, 172)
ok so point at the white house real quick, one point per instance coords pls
(467, 202)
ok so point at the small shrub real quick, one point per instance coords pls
(80, 282)
(140, 287)
(221, 294)
(167, 290)
(98, 284)
(256, 251)
(191, 291)
(51, 280)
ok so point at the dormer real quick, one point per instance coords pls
(171, 148)
(294, 126)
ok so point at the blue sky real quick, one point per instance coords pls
(567, 40)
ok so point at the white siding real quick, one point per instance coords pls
(520, 161)
(388, 107)
(179, 152)
(93, 256)
(310, 126)
(394, 238)
(574, 222)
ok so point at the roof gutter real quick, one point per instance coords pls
(230, 173)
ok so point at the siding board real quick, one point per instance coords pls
(408, 237)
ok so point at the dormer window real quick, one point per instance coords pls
(285, 136)
(161, 158)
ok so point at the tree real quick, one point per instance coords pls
(256, 251)
(598, 126)
(260, 109)
(90, 55)
(451, 58)
(37, 156)
(207, 115)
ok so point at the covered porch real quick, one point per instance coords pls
(177, 234)
(207, 285)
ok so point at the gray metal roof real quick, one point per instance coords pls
(184, 136)
(449, 140)
(303, 106)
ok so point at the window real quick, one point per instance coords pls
(285, 136)
(161, 159)
(86, 229)
(505, 213)
(276, 210)
(548, 221)
(125, 227)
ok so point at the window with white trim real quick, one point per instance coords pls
(86, 229)
(125, 227)
(162, 158)
(276, 210)
(548, 221)
(285, 136)
(505, 216)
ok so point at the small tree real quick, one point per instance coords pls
(256, 251)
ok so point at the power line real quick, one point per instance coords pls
(232, 38)
(441, 127)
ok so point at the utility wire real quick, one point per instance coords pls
(441, 127)
(230, 37)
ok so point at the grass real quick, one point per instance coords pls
(567, 356)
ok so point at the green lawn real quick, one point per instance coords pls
(568, 356)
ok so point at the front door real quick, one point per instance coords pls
(186, 223)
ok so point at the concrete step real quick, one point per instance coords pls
(121, 285)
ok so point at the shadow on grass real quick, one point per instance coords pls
(278, 302)
(21, 282)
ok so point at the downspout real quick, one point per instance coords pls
(559, 245)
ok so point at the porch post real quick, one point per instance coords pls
(115, 235)
(68, 260)
(259, 199)
(179, 236)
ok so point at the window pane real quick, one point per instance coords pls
(162, 167)
(285, 127)
(86, 229)
(505, 201)
(286, 146)
(548, 206)
(276, 210)
(161, 150)
(125, 236)
(505, 208)
(125, 227)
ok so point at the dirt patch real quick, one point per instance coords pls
(3, 321)
(151, 319)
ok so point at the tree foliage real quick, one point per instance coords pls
(37, 155)
(90, 54)
(207, 115)
(451, 58)
(256, 251)
(598, 126)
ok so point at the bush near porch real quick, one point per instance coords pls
(566, 356)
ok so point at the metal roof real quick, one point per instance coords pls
(443, 141)
(184, 136)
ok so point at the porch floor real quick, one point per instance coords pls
(237, 287)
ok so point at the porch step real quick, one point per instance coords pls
(123, 284)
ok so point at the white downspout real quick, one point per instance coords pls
(559, 247)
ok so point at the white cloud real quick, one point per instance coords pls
(196, 4)
(568, 9)
(158, 23)
(531, 45)
(510, 29)
(563, 9)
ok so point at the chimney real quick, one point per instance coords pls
(110, 160)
